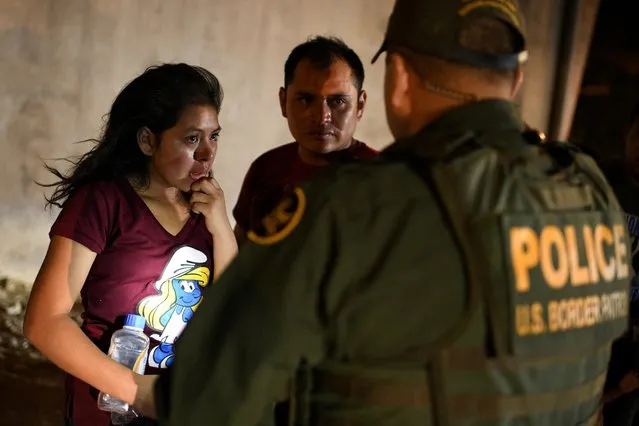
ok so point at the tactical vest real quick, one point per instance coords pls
(547, 263)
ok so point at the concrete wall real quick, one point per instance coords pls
(63, 62)
(544, 29)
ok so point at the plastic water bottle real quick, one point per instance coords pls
(129, 347)
(124, 419)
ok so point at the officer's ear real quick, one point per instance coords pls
(283, 101)
(518, 79)
(397, 84)
(361, 103)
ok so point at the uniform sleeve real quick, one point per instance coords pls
(257, 322)
(242, 209)
(86, 217)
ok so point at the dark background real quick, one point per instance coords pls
(610, 88)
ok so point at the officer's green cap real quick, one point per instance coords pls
(432, 27)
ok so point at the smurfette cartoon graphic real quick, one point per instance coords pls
(180, 293)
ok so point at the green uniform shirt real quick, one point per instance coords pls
(364, 261)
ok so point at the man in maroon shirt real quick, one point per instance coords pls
(323, 101)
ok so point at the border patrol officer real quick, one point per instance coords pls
(465, 277)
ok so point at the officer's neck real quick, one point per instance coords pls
(430, 106)
(427, 107)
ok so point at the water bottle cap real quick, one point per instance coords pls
(135, 321)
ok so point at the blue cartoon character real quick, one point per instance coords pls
(180, 293)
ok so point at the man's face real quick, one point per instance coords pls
(322, 106)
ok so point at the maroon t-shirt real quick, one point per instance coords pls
(140, 268)
(277, 171)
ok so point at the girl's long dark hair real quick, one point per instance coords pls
(156, 99)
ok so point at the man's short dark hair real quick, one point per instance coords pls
(323, 52)
(483, 35)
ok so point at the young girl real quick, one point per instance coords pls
(143, 229)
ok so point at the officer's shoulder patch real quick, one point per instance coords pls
(281, 221)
